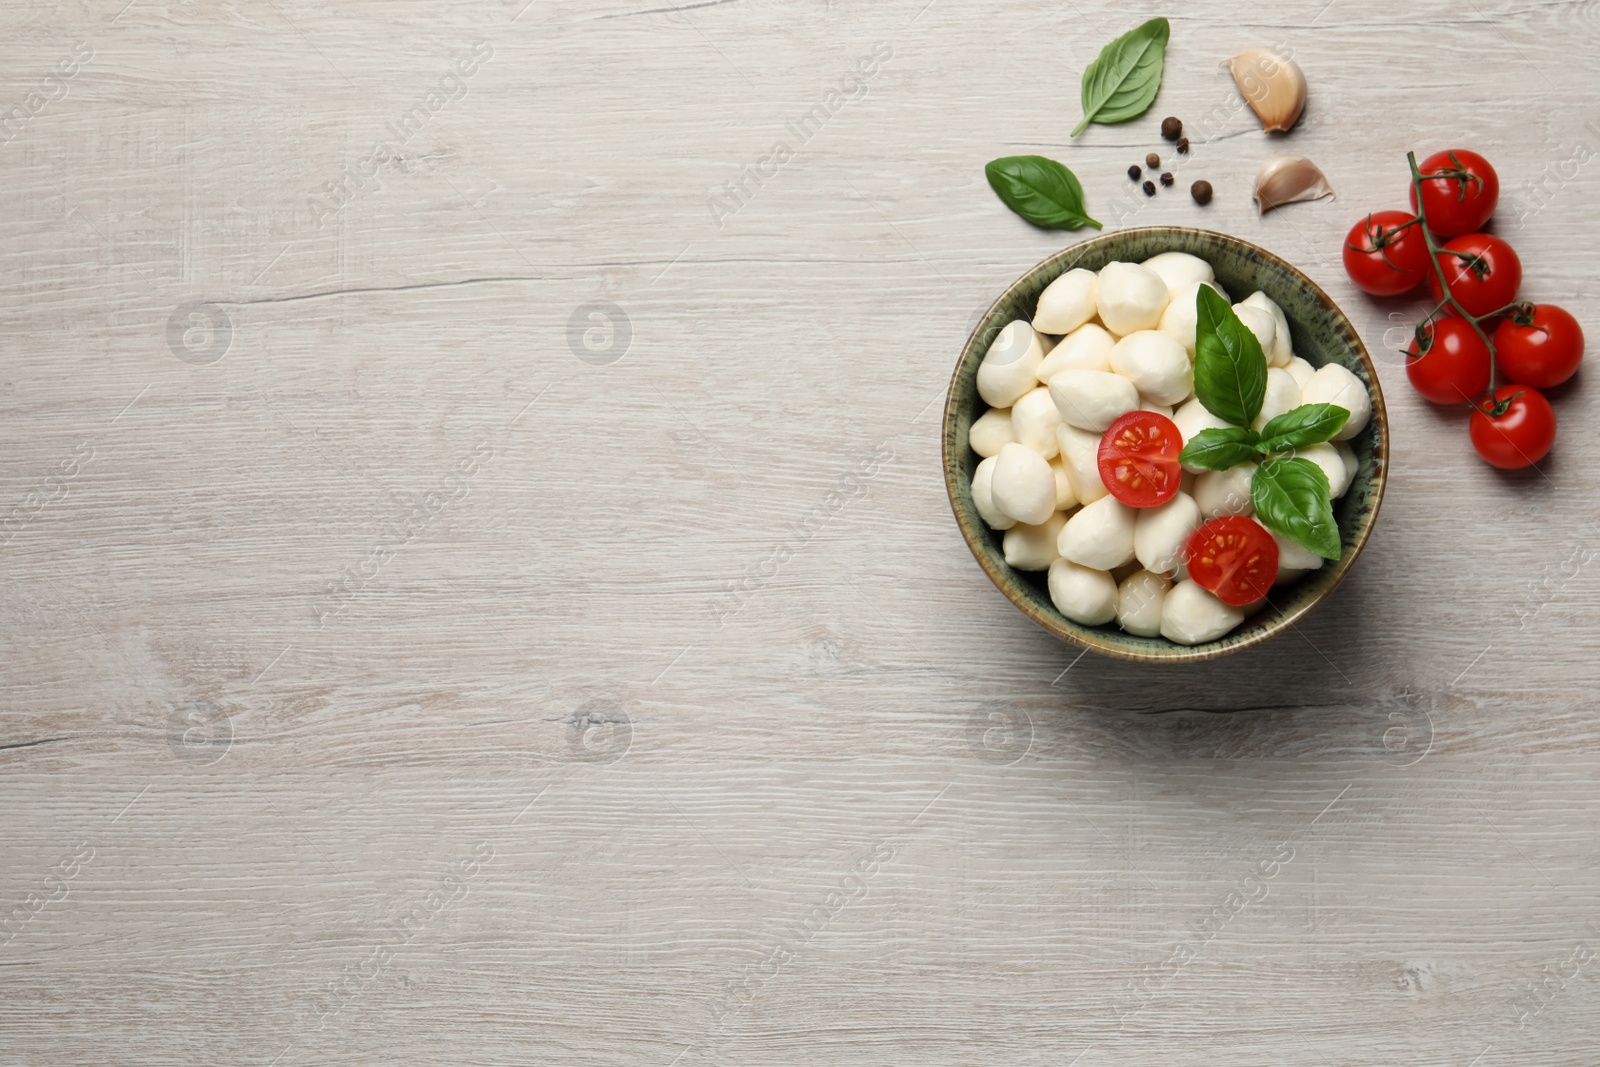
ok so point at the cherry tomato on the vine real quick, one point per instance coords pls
(1515, 429)
(1234, 557)
(1447, 361)
(1385, 253)
(1539, 345)
(1138, 459)
(1459, 191)
(1484, 273)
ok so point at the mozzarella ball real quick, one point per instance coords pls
(1099, 535)
(1300, 371)
(1192, 417)
(1067, 303)
(1092, 399)
(1081, 593)
(1261, 323)
(1139, 600)
(1156, 364)
(1182, 311)
(1219, 493)
(1333, 384)
(1080, 455)
(983, 497)
(1086, 348)
(1160, 533)
(1033, 548)
(1191, 615)
(1282, 395)
(1131, 298)
(1179, 269)
(1351, 463)
(1065, 496)
(1007, 370)
(1282, 344)
(1034, 418)
(991, 432)
(1022, 486)
(1294, 559)
(1327, 457)
(1160, 409)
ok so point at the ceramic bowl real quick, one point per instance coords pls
(1322, 334)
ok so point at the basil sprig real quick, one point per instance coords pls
(1219, 449)
(1308, 424)
(1230, 371)
(1121, 83)
(1040, 190)
(1292, 497)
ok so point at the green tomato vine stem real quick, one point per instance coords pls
(1434, 252)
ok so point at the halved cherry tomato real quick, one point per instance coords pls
(1138, 459)
(1484, 273)
(1447, 361)
(1234, 557)
(1516, 430)
(1459, 189)
(1385, 253)
(1539, 345)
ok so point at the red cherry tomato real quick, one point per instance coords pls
(1459, 189)
(1385, 253)
(1138, 459)
(1484, 273)
(1234, 557)
(1539, 345)
(1448, 362)
(1516, 430)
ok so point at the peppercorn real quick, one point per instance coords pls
(1171, 128)
(1183, 146)
(1201, 191)
(1166, 178)
(1152, 161)
(1149, 188)
(1133, 172)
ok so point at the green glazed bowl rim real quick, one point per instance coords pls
(1112, 642)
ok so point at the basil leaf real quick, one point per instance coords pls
(1217, 450)
(1230, 372)
(1122, 81)
(1291, 499)
(1040, 190)
(1307, 424)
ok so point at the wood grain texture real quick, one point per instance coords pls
(393, 685)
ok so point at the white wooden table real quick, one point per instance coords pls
(491, 599)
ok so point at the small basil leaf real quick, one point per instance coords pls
(1219, 449)
(1308, 424)
(1230, 371)
(1040, 190)
(1121, 83)
(1291, 499)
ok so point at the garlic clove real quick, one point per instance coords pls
(1274, 86)
(1289, 180)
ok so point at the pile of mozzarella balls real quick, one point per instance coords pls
(1102, 344)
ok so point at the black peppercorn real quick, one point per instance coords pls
(1201, 191)
(1183, 146)
(1149, 188)
(1171, 128)
(1133, 172)
(1166, 179)
(1152, 161)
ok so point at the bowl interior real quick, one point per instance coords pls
(1321, 333)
